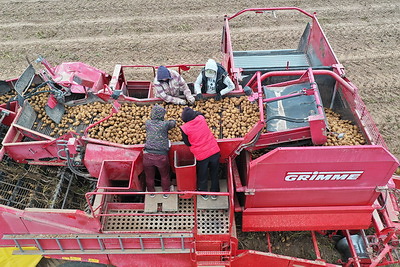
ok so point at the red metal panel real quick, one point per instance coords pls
(318, 129)
(321, 46)
(252, 258)
(227, 146)
(47, 221)
(93, 162)
(65, 72)
(306, 218)
(10, 222)
(319, 176)
(12, 109)
(20, 151)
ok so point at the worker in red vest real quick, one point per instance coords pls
(204, 146)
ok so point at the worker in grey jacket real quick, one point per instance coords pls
(155, 153)
(213, 79)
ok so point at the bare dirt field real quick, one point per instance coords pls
(365, 36)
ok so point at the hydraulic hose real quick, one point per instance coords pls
(67, 157)
(295, 120)
(75, 171)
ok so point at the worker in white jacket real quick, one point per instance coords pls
(213, 79)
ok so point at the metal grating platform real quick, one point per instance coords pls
(213, 221)
(156, 223)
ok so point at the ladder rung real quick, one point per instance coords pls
(96, 251)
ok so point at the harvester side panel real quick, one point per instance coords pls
(47, 221)
(315, 188)
(319, 176)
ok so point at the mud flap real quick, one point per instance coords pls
(55, 113)
(4, 88)
(25, 80)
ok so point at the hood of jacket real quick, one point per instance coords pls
(163, 73)
(211, 65)
(157, 113)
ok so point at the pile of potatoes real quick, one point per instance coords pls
(232, 117)
(4, 98)
(80, 115)
(38, 102)
(342, 132)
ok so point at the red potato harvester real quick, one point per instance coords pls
(83, 198)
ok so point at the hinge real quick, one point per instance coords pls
(250, 192)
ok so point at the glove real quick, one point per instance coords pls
(218, 97)
(116, 94)
(199, 96)
(181, 102)
(247, 91)
(191, 100)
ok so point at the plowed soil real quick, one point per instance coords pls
(365, 36)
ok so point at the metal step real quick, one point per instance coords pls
(212, 253)
(219, 204)
(151, 204)
(213, 263)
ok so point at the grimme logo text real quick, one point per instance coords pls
(323, 176)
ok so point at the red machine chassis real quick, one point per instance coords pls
(327, 190)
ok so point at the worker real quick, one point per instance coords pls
(167, 85)
(155, 153)
(197, 135)
(213, 79)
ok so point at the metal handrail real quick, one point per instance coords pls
(259, 10)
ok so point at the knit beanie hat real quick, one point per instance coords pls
(163, 73)
(188, 114)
